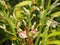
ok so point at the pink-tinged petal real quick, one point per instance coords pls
(34, 31)
(22, 34)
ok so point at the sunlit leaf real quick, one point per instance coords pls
(23, 3)
(57, 42)
(54, 34)
(55, 14)
(18, 10)
(18, 14)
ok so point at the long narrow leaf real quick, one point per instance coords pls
(56, 42)
(23, 3)
(54, 34)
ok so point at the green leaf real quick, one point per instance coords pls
(57, 42)
(18, 9)
(56, 14)
(54, 34)
(18, 14)
(48, 6)
(23, 3)
(11, 24)
(4, 38)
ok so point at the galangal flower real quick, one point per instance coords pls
(23, 34)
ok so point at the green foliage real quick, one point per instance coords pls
(30, 22)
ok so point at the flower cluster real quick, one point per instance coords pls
(23, 34)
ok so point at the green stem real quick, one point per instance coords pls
(41, 26)
(55, 1)
(37, 39)
(45, 35)
(42, 3)
(48, 6)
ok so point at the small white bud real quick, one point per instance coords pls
(54, 24)
(26, 10)
(12, 43)
(18, 24)
(1, 27)
(24, 22)
(48, 23)
(33, 25)
(58, 3)
(34, 15)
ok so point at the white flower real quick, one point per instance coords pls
(12, 43)
(33, 25)
(24, 22)
(54, 23)
(34, 32)
(33, 16)
(48, 23)
(22, 34)
(26, 10)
